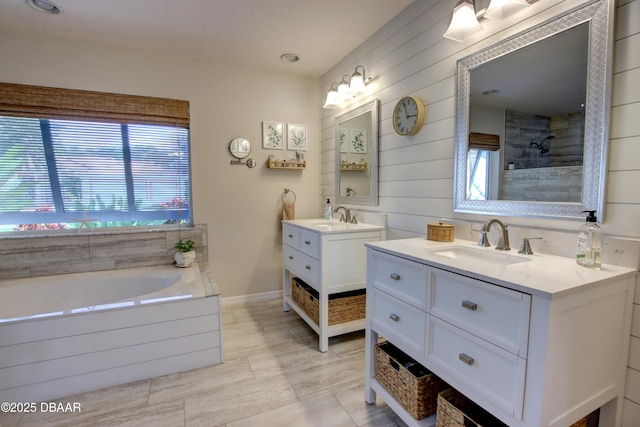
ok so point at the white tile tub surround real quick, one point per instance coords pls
(60, 354)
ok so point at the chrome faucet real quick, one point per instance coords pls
(503, 241)
(346, 217)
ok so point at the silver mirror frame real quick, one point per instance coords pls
(599, 14)
(371, 200)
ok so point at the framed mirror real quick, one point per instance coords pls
(532, 120)
(239, 148)
(357, 155)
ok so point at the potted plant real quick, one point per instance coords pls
(186, 255)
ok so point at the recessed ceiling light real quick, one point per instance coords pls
(289, 57)
(45, 6)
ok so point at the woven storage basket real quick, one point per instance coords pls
(298, 295)
(412, 385)
(343, 307)
(440, 232)
(455, 410)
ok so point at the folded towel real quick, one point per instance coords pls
(288, 210)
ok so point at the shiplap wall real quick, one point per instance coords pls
(409, 57)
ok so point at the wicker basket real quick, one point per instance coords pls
(343, 307)
(440, 232)
(455, 410)
(412, 385)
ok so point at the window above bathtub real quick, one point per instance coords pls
(112, 160)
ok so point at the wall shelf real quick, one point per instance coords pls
(286, 164)
(354, 167)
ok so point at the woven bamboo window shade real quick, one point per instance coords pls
(69, 104)
(484, 141)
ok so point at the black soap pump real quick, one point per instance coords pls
(589, 253)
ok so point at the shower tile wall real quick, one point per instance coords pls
(521, 129)
(42, 255)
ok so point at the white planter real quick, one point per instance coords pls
(185, 259)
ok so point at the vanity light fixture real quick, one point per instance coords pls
(357, 85)
(343, 87)
(350, 86)
(464, 22)
(45, 6)
(332, 102)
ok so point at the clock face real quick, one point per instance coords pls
(407, 116)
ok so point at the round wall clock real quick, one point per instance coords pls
(408, 116)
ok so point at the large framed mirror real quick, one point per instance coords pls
(532, 120)
(357, 155)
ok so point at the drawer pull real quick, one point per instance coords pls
(394, 317)
(291, 236)
(470, 305)
(466, 359)
(395, 276)
(308, 267)
(306, 242)
(290, 256)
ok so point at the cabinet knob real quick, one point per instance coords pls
(306, 242)
(395, 276)
(470, 305)
(290, 256)
(466, 359)
(291, 236)
(308, 267)
(394, 317)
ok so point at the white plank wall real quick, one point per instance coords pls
(409, 56)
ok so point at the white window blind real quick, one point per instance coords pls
(124, 173)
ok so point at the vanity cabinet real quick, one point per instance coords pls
(331, 258)
(531, 355)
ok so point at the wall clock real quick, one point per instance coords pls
(408, 115)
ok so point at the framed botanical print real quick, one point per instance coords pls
(358, 141)
(273, 135)
(296, 137)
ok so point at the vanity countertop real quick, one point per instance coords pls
(334, 226)
(548, 276)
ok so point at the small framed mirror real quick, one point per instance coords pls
(357, 155)
(239, 148)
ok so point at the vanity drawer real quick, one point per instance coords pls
(302, 265)
(404, 279)
(496, 314)
(290, 235)
(309, 243)
(399, 322)
(475, 365)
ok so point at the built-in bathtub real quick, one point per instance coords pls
(71, 333)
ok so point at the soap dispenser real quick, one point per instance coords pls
(589, 252)
(328, 211)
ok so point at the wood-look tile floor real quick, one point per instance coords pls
(273, 375)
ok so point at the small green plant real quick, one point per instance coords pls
(185, 245)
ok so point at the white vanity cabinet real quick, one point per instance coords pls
(331, 258)
(543, 342)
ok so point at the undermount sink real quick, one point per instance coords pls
(474, 254)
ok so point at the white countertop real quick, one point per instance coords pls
(335, 226)
(545, 275)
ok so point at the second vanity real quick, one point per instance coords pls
(536, 340)
(330, 257)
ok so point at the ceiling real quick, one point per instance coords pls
(251, 33)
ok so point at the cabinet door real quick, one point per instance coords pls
(475, 366)
(397, 321)
(496, 314)
(399, 277)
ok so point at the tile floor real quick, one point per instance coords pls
(273, 375)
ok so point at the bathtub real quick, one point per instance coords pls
(70, 333)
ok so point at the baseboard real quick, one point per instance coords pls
(251, 298)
